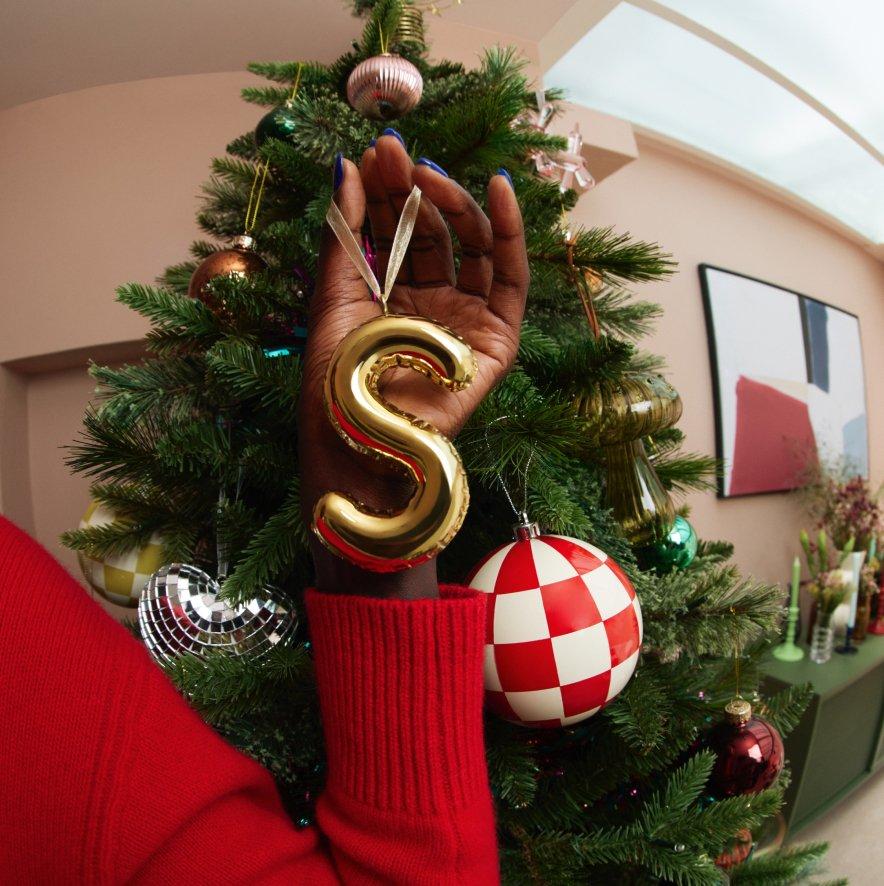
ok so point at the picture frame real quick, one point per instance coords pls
(788, 383)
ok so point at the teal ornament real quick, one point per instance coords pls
(676, 550)
(279, 124)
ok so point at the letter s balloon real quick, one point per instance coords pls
(390, 542)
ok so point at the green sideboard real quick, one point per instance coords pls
(839, 742)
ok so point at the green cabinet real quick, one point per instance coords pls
(839, 742)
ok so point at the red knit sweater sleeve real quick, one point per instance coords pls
(107, 776)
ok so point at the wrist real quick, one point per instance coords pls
(335, 575)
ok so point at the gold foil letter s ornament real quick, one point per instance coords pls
(390, 542)
(436, 510)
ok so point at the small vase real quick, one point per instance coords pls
(821, 642)
(863, 616)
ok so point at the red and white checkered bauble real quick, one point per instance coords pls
(564, 630)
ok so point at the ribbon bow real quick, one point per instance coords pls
(401, 239)
(569, 166)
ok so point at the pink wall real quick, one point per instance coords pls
(100, 187)
(701, 215)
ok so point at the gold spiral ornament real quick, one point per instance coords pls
(410, 28)
(390, 542)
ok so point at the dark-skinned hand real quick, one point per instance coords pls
(483, 303)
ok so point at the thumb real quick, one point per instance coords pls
(338, 279)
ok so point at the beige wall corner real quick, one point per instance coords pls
(15, 469)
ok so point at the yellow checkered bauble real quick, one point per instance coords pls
(119, 578)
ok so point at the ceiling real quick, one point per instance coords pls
(790, 92)
(53, 46)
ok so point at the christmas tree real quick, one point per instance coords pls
(197, 444)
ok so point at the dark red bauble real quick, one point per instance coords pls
(749, 753)
(240, 260)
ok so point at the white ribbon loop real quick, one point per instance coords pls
(401, 239)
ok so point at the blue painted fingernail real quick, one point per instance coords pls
(391, 131)
(507, 176)
(339, 170)
(434, 166)
(373, 142)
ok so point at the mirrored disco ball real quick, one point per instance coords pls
(181, 611)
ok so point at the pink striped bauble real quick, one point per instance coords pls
(564, 629)
(384, 87)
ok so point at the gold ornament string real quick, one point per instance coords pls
(736, 662)
(255, 196)
(397, 251)
(583, 287)
(297, 82)
(261, 170)
(385, 43)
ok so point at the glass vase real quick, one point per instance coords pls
(821, 642)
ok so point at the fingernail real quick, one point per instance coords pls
(507, 176)
(339, 170)
(390, 131)
(434, 166)
(373, 142)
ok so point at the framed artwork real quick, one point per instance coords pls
(788, 383)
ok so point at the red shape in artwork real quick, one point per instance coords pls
(774, 440)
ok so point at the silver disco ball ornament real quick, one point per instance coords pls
(181, 611)
(384, 87)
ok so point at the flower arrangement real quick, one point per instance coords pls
(827, 586)
(845, 506)
(868, 583)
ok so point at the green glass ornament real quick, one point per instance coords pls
(279, 124)
(676, 550)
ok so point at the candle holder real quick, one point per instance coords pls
(789, 650)
(847, 647)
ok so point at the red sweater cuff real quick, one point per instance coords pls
(400, 685)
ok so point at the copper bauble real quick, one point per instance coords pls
(384, 87)
(737, 852)
(240, 260)
(749, 753)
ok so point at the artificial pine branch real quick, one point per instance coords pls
(618, 798)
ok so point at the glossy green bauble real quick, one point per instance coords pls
(675, 550)
(279, 124)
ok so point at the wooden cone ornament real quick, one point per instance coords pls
(564, 628)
